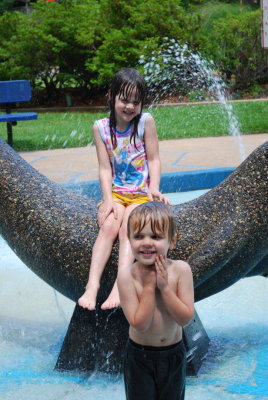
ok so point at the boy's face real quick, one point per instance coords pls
(146, 244)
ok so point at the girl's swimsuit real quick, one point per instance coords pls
(128, 161)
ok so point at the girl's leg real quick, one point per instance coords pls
(100, 254)
(125, 259)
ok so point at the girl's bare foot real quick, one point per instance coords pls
(113, 300)
(88, 299)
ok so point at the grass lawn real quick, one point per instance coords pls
(73, 129)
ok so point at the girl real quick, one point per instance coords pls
(129, 172)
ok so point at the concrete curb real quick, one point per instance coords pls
(170, 182)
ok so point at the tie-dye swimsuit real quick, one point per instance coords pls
(128, 160)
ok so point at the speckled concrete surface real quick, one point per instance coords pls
(223, 234)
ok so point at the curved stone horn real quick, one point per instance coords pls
(223, 234)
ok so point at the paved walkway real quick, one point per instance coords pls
(80, 164)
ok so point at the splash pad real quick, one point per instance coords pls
(231, 222)
(34, 319)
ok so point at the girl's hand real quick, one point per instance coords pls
(154, 194)
(105, 210)
(161, 271)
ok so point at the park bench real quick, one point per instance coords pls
(12, 92)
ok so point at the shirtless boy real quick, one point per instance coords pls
(157, 297)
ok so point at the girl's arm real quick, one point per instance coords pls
(138, 311)
(180, 305)
(105, 175)
(152, 151)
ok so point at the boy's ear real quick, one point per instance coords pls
(173, 242)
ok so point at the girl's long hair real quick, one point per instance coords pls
(124, 82)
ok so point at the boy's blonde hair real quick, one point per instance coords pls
(158, 214)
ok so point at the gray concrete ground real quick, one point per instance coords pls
(80, 164)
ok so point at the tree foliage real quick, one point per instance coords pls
(82, 43)
(237, 50)
(45, 46)
(6, 5)
(129, 26)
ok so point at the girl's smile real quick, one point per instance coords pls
(126, 108)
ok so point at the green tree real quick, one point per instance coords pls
(236, 48)
(128, 27)
(45, 46)
(6, 5)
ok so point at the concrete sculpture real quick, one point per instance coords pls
(223, 235)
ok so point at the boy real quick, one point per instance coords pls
(157, 297)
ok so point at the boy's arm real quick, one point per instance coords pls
(180, 305)
(138, 311)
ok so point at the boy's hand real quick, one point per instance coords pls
(161, 271)
(105, 210)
